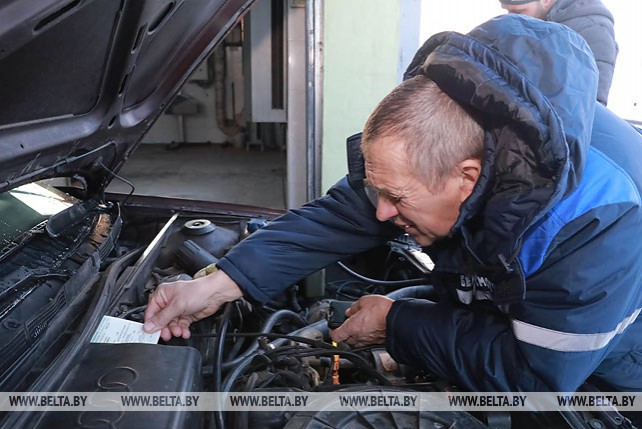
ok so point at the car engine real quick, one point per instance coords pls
(59, 278)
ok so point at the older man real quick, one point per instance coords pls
(494, 155)
(590, 18)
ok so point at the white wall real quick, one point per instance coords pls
(461, 16)
(625, 97)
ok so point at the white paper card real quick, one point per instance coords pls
(117, 331)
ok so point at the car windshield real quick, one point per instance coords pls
(25, 207)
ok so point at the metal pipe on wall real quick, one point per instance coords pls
(296, 176)
(314, 96)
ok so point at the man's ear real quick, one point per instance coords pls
(469, 170)
(547, 4)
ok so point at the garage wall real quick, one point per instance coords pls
(360, 66)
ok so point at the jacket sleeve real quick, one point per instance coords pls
(578, 304)
(302, 241)
(600, 36)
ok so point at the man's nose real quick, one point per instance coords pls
(385, 209)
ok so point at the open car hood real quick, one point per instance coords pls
(81, 81)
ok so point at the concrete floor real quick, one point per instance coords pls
(207, 172)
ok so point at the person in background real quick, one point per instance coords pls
(590, 18)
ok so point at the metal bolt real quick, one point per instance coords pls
(596, 424)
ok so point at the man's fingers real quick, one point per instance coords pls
(339, 335)
(154, 313)
(161, 316)
(153, 307)
(174, 306)
(366, 323)
(175, 329)
(150, 326)
(353, 309)
(342, 333)
(166, 334)
(186, 333)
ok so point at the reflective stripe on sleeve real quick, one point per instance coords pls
(566, 341)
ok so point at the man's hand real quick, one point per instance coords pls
(174, 306)
(366, 323)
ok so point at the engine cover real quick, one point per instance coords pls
(131, 368)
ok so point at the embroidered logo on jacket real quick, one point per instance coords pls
(474, 288)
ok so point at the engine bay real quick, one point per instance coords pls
(57, 286)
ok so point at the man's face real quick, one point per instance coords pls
(536, 9)
(406, 201)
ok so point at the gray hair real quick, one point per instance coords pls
(437, 132)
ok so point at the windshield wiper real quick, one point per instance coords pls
(62, 221)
